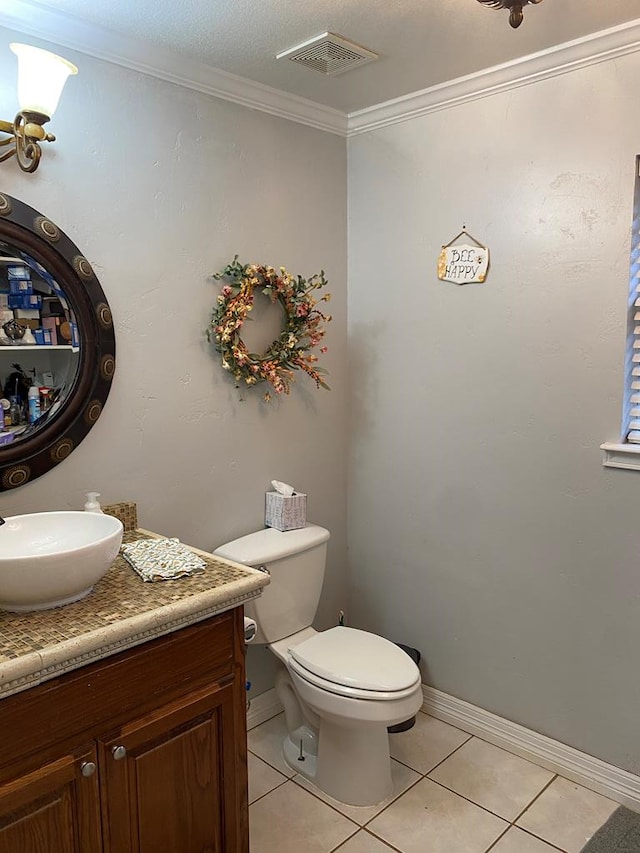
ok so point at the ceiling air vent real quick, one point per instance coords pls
(329, 54)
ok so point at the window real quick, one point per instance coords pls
(631, 413)
(627, 453)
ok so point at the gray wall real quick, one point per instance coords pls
(160, 186)
(483, 528)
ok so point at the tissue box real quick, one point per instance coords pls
(43, 337)
(285, 513)
(18, 285)
(19, 272)
(26, 301)
(27, 314)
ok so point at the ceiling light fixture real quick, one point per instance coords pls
(514, 6)
(41, 78)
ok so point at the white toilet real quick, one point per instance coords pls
(340, 688)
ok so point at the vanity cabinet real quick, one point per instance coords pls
(142, 752)
(53, 808)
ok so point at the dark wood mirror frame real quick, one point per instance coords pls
(35, 234)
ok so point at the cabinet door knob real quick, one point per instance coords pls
(118, 752)
(87, 768)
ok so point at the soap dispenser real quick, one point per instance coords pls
(92, 504)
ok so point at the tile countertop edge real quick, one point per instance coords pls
(19, 673)
(34, 668)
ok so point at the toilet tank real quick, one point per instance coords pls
(296, 561)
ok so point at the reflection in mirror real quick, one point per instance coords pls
(57, 345)
(39, 345)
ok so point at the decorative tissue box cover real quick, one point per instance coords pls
(285, 513)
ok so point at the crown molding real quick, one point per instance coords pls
(573, 55)
(64, 31)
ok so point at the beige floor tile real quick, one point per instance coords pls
(362, 842)
(428, 743)
(492, 778)
(266, 740)
(567, 815)
(401, 777)
(428, 817)
(262, 778)
(517, 841)
(290, 820)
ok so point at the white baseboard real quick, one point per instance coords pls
(262, 708)
(592, 773)
(605, 779)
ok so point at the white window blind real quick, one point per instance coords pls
(631, 415)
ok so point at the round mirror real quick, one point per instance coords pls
(57, 345)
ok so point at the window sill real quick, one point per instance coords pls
(621, 456)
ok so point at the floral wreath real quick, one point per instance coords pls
(303, 328)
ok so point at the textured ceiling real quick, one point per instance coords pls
(420, 42)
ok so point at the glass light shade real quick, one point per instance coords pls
(41, 78)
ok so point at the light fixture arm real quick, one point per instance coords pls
(24, 136)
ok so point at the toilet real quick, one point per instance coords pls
(340, 688)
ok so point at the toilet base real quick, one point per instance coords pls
(354, 766)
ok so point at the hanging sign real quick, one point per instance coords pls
(463, 263)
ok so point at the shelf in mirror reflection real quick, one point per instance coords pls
(37, 347)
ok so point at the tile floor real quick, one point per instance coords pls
(452, 793)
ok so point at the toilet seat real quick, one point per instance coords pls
(355, 663)
(351, 692)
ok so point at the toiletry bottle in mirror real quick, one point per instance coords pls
(14, 409)
(34, 403)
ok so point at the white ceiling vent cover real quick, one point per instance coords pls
(329, 54)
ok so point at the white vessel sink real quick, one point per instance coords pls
(48, 559)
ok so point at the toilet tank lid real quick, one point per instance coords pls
(268, 545)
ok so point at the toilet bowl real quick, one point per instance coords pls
(340, 688)
(347, 721)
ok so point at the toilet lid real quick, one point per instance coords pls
(357, 659)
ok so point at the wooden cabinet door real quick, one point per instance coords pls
(54, 809)
(169, 780)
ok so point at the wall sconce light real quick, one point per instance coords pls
(514, 6)
(41, 78)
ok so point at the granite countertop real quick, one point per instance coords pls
(122, 611)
